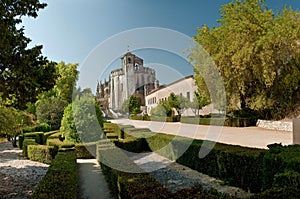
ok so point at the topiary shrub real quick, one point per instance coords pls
(86, 150)
(42, 153)
(26, 143)
(60, 180)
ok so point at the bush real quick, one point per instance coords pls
(140, 117)
(60, 180)
(58, 143)
(25, 145)
(43, 127)
(144, 185)
(38, 136)
(86, 150)
(238, 166)
(207, 120)
(42, 153)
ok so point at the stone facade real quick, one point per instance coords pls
(132, 79)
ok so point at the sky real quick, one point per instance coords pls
(84, 31)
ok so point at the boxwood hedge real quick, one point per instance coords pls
(60, 180)
(42, 153)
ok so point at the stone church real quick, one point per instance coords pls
(132, 79)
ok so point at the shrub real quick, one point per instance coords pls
(60, 180)
(25, 145)
(208, 120)
(42, 153)
(86, 150)
(48, 134)
(58, 143)
(140, 117)
(43, 127)
(144, 185)
(38, 136)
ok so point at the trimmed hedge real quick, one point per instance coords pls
(140, 117)
(144, 185)
(234, 122)
(265, 172)
(25, 145)
(43, 127)
(238, 166)
(86, 150)
(42, 153)
(60, 180)
(58, 143)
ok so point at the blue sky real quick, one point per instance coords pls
(70, 30)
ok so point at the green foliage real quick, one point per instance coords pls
(65, 83)
(131, 105)
(144, 185)
(86, 150)
(68, 128)
(198, 103)
(140, 117)
(13, 121)
(58, 143)
(61, 178)
(275, 172)
(51, 104)
(82, 120)
(257, 55)
(25, 145)
(234, 122)
(24, 71)
(42, 153)
(50, 111)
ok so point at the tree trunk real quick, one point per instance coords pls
(243, 101)
(14, 141)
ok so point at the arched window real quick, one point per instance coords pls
(129, 60)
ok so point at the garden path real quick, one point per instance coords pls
(92, 183)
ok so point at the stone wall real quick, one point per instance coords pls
(275, 125)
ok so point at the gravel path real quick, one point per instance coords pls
(18, 176)
(175, 176)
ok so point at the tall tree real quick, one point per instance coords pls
(131, 105)
(256, 53)
(24, 72)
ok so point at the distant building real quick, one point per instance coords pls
(185, 87)
(132, 79)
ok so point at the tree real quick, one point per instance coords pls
(163, 109)
(198, 103)
(50, 110)
(24, 72)
(256, 54)
(51, 104)
(65, 83)
(13, 121)
(82, 119)
(178, 102)
(131, 105)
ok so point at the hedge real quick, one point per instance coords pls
(43, 127)
(58, 143)
(42, 153)
(60, 180)
(86, 150)
(265, 172)
(144, 185)
(25, 145)
(234, 122)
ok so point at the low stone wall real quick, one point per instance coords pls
(275, 125)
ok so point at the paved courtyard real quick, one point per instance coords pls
(247, 136)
